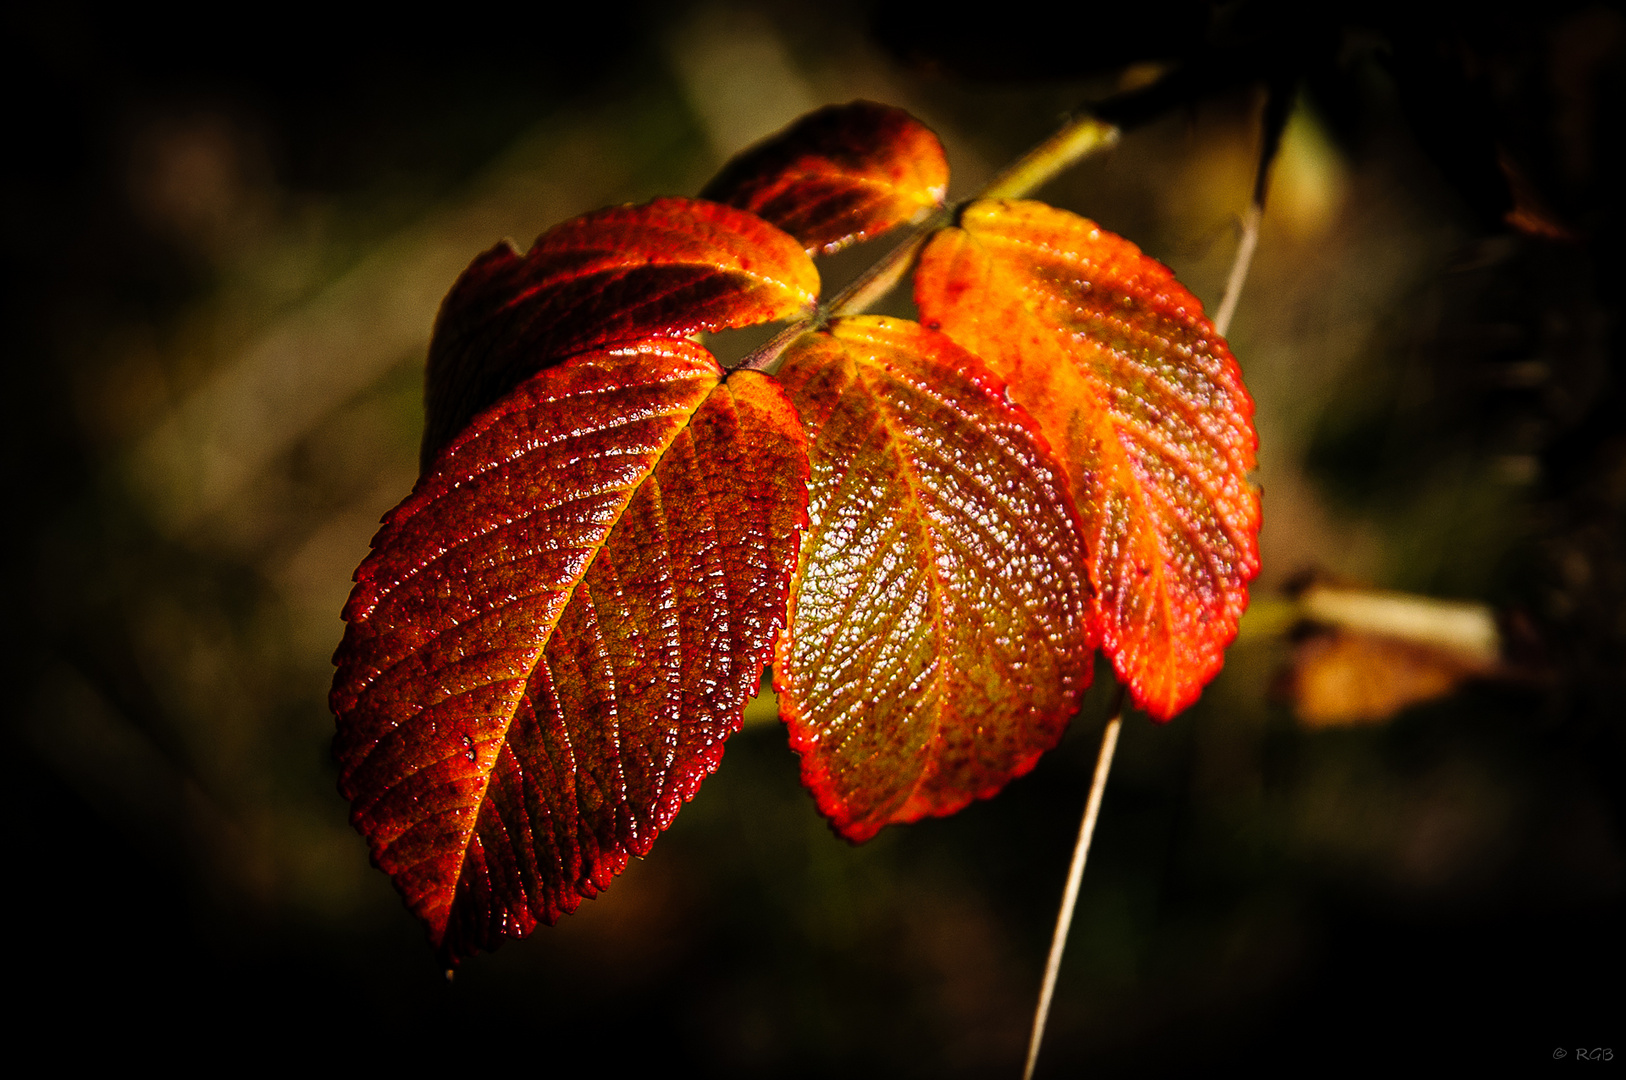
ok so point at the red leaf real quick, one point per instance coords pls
(839, 175)
(557, 630)
(1145, 405)
(938, 636)
(668, 268)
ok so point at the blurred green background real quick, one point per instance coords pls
(226, 250)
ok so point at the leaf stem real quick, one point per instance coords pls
(1078, 138)
(867, 288)
(1075, 874)
(765, 357)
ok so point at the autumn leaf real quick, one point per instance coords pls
(938, 638)
(841, 174)
(668, 268)
(1371, 653)
(1143, 402)
(558, 628)
(1343, 677)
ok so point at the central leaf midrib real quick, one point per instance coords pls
(1101, 419)
(896, 439)
(541, 648)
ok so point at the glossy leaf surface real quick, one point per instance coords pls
(559, 627)
(841, 174)
(668, 268)
(1143, 402)
(938, 636)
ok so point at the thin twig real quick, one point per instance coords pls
(1064, 918)
(1239, 268)
(1273, 122)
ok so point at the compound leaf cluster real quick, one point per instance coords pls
(927, 527)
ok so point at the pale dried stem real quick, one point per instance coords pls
(1069, 899)
(1273, 121)
(1248, 242)
(1239, 268)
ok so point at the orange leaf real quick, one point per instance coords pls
(668, 268)
(1344, 677)
(558, 628)
(938, 637)
(839, 175)
(1143, 402)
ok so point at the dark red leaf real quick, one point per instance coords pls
(668, 268)
(559, 627)
(939, 631)
(839, 175)
(1145, 405)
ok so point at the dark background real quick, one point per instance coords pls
(209, 229)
